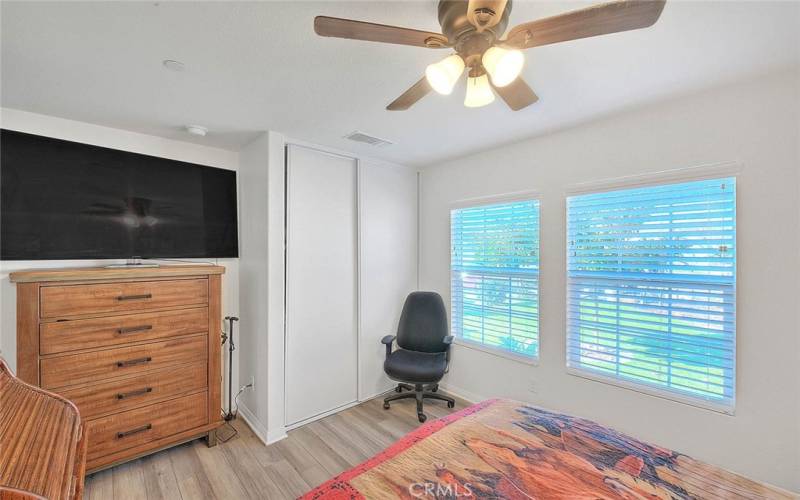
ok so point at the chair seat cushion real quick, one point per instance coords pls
(415, 367)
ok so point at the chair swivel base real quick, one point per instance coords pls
(419, 393)
(408, 387)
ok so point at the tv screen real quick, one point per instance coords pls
(67, 200)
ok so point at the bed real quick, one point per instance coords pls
(507, 449)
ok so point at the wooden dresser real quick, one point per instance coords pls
(136, 350)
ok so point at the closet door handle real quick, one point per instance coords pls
(137, 430)
(133, 362)
(136, 297)
(134, 329)
(124, 395)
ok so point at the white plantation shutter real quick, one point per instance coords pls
(652, 288)
(495, 276)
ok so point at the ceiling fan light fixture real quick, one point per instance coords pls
(471, 27)
(479, 92)
(442, 76)
(504, 66)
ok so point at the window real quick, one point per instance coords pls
(652, 288)
(494, 270)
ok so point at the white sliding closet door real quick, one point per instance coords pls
(321, 283)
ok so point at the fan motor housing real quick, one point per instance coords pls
(462, 34)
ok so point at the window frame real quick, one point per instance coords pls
(675, 176)
(528, 195)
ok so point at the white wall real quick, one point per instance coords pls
(118, 139)
(261, 286)
(388, 266)
(755, 123)
(253, 269)
(387, 272)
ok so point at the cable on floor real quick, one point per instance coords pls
(234, 413)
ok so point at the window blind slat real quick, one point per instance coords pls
(651, 277)
(494, 280)
(652, 216)
(666, 349)
(665, 278)
(648, 298)
(646, 317)
(656, 196)
(641, 211)
(635, 358)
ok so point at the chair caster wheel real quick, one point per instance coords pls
(422, 418)
(435, 389)
(451, 405)
(385, 406)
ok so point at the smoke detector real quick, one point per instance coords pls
(197, 130)
(367, 139)
(173, 65)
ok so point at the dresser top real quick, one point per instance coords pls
(107, 273)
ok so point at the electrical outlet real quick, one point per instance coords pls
(533, 387)
(252, 383)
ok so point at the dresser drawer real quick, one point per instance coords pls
(73, 369)
(63, 336)
(117, 298)
(133, 392)
(125, 430)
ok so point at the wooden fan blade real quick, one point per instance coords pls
(517, 94)
(410, 96)
(612, 17)
(371, 32)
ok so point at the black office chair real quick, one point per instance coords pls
(423, 354)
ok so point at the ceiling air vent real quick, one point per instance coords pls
(367, 139)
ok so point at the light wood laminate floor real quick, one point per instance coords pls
(245, 468)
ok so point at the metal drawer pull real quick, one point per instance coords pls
(132, 362)
(136, 297)
(124, 395)
(134, 329)
(143, 428)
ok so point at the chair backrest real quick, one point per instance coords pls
(423, 323)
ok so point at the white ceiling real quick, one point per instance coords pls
(259, 66)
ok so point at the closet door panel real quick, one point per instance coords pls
(321, 285)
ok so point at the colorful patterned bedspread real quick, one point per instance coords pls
(507, 449)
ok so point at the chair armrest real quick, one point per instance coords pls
(387, 341)
(447, 341)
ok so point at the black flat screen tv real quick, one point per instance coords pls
(67, 200)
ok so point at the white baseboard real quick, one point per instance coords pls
(458, 392)
(275, 435)
(328, 413)
(321, 415)
(379, 393)
(253, 422)
(461, 393)
(267, 436)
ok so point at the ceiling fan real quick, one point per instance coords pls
(473, 29)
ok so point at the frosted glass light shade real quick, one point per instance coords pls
(442, 76)
(479, 92)
(504, 66)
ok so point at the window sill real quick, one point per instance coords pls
(653, 391)
(519, 358)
